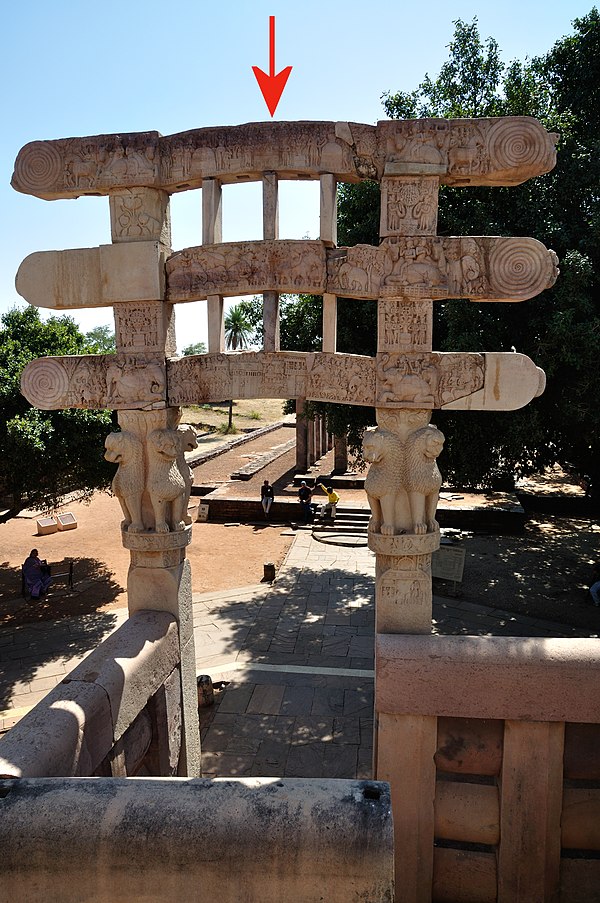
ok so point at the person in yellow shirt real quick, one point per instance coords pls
(332, 500)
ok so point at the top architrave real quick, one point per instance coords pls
(504, 151)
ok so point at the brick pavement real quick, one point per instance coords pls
(297, 656)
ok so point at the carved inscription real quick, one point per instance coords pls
(428, 379)
(242, 267)
(95, 381)
(409, 205)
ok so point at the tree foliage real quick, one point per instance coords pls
(560, 329)
(195, 348)
(101, 340)
(237, 328)
(45, 454)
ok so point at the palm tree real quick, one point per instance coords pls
(237, 328)
(237, 335)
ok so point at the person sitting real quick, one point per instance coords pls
(36, 574)
(266, 497)
(595, 587)
(332, 500)
(304, 497)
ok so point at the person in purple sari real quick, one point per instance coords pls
(36, 574)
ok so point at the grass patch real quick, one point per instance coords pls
(227, 430)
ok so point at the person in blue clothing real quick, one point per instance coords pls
(36, 574)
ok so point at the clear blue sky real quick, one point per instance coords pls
(74, 68)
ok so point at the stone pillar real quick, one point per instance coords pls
(153, 482)
(340, 454)
(301, 437)
(329, 322)
(311, 441)
(212, 233)
(328, 217)
(216, 324)
(271, 233)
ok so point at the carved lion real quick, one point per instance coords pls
(166, 485)
(403, 482)
(126, 450)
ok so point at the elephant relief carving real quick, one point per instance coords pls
(403, 481)
(126, 450)
(162, 472)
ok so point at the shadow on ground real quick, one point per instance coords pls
(93, 587)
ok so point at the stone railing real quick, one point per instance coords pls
(492, 747)
(118, 713)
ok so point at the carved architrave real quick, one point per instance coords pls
(95, 165)
(142, 327)
(430, 267)
(250, 374)
(346, 379)
(409, 205)
(237, 268)
(404, 544)
(140, 214)
(95, 381)
(463, 152)
(404, 325)
(427, 379)
(504, 151)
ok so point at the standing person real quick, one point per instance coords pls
(332, 500)
(36, 574)
(304, 497)
(266, 497)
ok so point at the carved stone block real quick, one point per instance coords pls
(95, 381)
(409, 205)
(463, 152)
(140, 214)
(249, 374)
(93, 277)
(404, 325)
(145, 327)
(238, 268)
(482, 269)
(429, 379)
(348, 378)
(504, 151)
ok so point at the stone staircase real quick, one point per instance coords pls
(350, 521)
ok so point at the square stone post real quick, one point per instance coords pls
(329, 322)
(328, 210)
(301, 437)
(271, 233)
(212, 233)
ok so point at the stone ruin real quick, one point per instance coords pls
(489, 745)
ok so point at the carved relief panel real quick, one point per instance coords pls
(95, 381)
(139, 214)
(238, 268)
(404, 326)
(249, 374)
(145, 327)
(427, 380)
(346, 379)
(409, 205)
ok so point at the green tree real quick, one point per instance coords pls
(237, 328)
(101, 340)
(238, 331)
(195, 348)
(560, 329)
(45, 454)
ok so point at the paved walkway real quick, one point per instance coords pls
(297, 659)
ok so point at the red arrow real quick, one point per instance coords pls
(272, 85)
